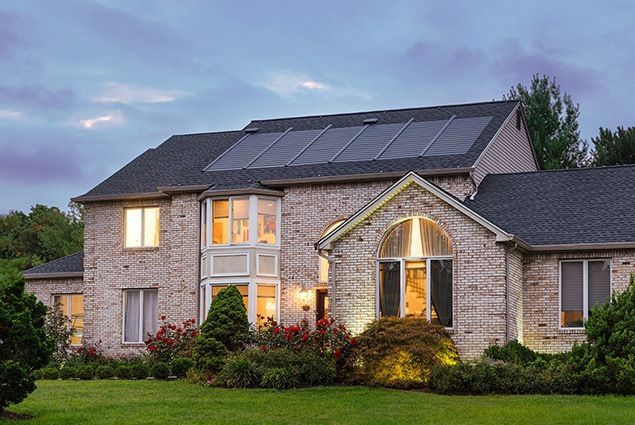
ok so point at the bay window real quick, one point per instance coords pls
(72, 307)
(583, 285)
(240, 220)
(220, 220)
(260, 299)
(141, 227)
(267, 221)
(140, 314)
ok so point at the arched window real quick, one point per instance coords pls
(323, 264)
(415, 272)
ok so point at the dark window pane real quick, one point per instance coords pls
(441, 292)
(599, 282)
(572, 312)
(389, 289)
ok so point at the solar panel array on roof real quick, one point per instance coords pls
(459, 136)
(357, 143)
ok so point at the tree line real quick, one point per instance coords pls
(552, 122)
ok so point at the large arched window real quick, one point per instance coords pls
(415, 272)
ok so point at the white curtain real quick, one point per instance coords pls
(150, 300)
(131, 332)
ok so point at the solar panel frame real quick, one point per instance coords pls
(458, 137)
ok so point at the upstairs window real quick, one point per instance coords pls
(583, 285)
(267, 223)
(142, 227)
(240, 220)
(220, 220)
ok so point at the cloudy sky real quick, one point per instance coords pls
(87, 86)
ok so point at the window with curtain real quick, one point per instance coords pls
(267, 221)
(72, 307)
(323, 263)
(141, 227)
(583, 285)
(240, 220)
(140, 314)
(220, 221)
(415, 272)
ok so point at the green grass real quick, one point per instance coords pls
(154, 402)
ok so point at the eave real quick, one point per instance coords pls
(58, 275)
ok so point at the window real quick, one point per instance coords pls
(240, 220)
(267, 223)
(415, 272)
(583, 285)
(323, 265)
(204, 224)
(140, 314)
(142, 227)
(72, 306)
(242, 288)
(220, 221)
(266, 305)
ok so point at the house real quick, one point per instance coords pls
(437, 212)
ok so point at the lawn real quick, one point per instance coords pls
(154, 402)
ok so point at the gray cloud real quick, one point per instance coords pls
(40, 165)
(37, 96)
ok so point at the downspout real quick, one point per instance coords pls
(331, 282)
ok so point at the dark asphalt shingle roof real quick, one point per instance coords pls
(180, 160)
(578, 206)
(72, 263)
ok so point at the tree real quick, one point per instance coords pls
(552, 121)
(614, 148)
(24, 346)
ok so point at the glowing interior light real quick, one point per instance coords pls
(416, 244)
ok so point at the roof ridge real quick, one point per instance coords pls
(384, 110)
(603, 167)
(207, 132)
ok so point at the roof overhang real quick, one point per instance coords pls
(582, 246)
(363, 177)
(232, 192)
(163, 192)
(60, 275)
(394, 190)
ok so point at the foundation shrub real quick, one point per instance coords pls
(49, 373)
(123, 371)
(85, 372)
(105, 372)
(68, 372)
(280, 378)
(139, 370)
(160, 370)
(180, 366)
(239, 372)
(398, 353)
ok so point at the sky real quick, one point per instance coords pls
(85, 86)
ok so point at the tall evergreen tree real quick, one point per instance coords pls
(614, 148)
(552, 121)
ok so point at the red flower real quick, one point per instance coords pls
(172, 326)
(305, 336)
(179, 330)
(338, 353)
(163, 317)
(276, 330)
(80, 349)
(263, 348)
(169, 341)
(353, 341)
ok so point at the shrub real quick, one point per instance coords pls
(139, 370)
(160, 370)
(85, 372)
(180, 366)
(280, 378)
(58, 328)
(25, 346)
(68, 372)
(240, 372)
(172, 340)
(512, 352)
(123, 371)
(209, 354)
(400, 353)
(49, 373)
(105, 372)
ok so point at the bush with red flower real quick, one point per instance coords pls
(172, 340)
(89, 352)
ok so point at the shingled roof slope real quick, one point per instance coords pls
(576, 206)
(73, 263)
(180, 160)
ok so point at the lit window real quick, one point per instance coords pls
(266, 306)
(142, 227)
(323, 264)
(415, 280)
(583, 285)
(72, 306)
(243, 289)
(240, 220)
(267, 223)
(140, 314)
(220, 217)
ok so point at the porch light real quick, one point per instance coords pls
(305, 297)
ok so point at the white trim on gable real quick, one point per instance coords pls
(394, 190)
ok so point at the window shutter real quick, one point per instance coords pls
(599, 282)
(572, 286)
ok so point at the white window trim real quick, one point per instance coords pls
(276, 265)
(123, 315)
(143, 228)
(211, 272)
(402, 284)
(252, 294)
(585, 289)
(278, 220)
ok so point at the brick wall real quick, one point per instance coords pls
(44, 289)
(306, 211)
(479, 270)
(541, 328)
(109, 268)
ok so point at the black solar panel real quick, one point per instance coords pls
(243, 151)
(413, 139)
(285, 148)
(327, 145)
(369, 143)
(459, 136)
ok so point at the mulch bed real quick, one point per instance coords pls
(14, 416)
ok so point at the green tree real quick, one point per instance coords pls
(614, 148)
(24, 346)
(552, 121)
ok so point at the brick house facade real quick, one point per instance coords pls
(261, 226)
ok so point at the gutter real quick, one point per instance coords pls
(57, 275)
(162, 192)
(227, 192)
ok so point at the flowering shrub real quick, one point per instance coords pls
(89, 352)
(327, 338)
(172, 340)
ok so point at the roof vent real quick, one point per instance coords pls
(252, 130)
(371, 121)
